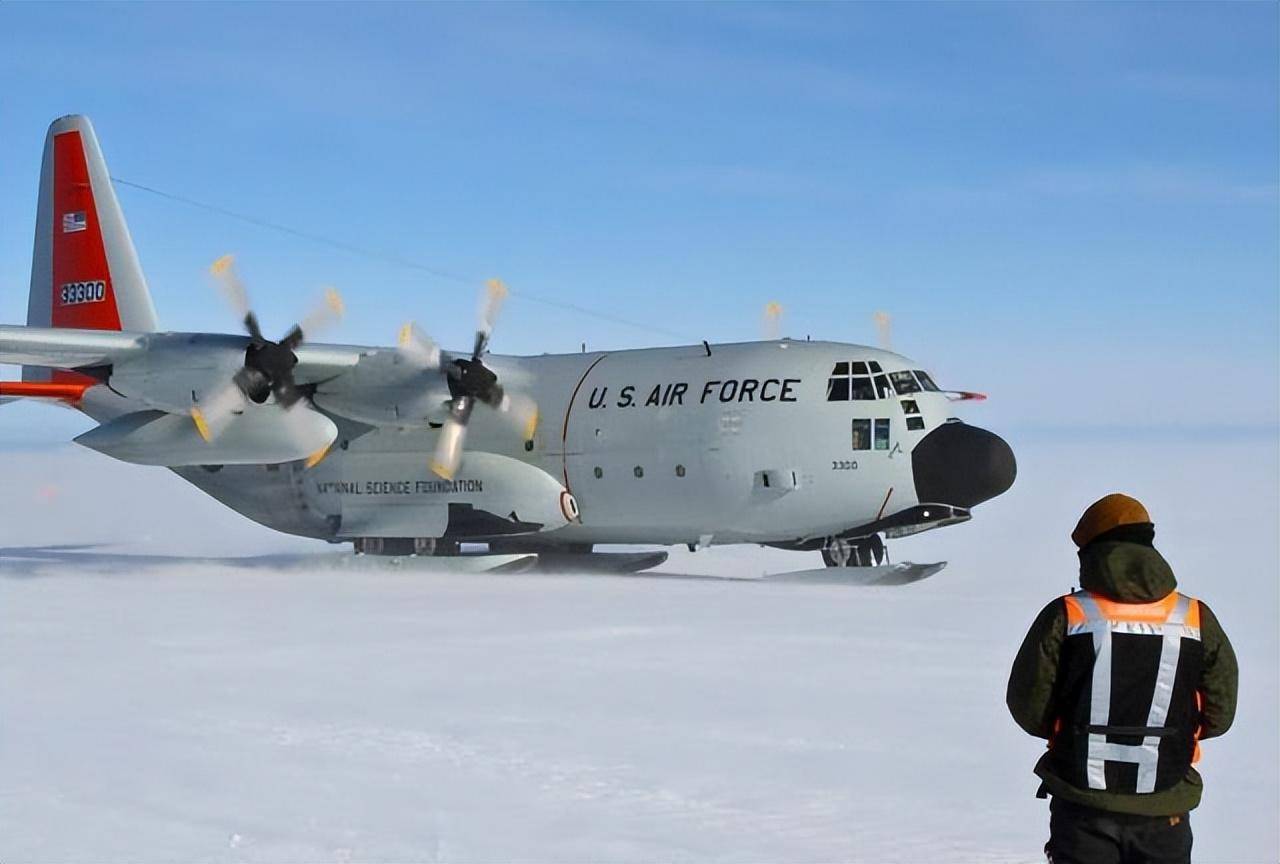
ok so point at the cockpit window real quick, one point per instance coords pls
(904, 383)
(927, 383)
(875, 367)
(860, 388)
(853, 380)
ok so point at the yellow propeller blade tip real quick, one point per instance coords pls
(222, 265)
(441, 470)
(531, 427)
(406, 334)
(497, 288)
(202, 426)
(334, 301)
(773, 310)
(317, 457)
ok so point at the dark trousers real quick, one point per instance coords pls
(1082, 835)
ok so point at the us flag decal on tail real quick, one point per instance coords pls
(72, 222)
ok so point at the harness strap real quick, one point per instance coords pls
(1169, 622)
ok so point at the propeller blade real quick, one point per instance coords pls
(224, 273)
(521, 411)
(214, 414)
(326, 313)
(490, 305)
(293, 338)
(448, 455)
(771, 326)
(884, 326)
(255, 332)
(417, 347)
(297, 426)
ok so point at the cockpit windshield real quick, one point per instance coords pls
(865, 380)
(856, 380)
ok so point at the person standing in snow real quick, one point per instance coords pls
(1124, 677)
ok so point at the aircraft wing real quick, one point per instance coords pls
(63, 348)
(66, 348)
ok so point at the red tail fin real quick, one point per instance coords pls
(84, 270)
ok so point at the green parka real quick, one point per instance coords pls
(1126, 572)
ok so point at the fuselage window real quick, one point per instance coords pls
(915, 424)
(909, 406)
(882, 434)
(904, 383)
(861, 434)
(927, 383)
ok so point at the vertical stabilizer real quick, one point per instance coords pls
(84, 270)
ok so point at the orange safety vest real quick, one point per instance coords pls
(1128, 710)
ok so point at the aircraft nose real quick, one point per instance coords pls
(962, 465)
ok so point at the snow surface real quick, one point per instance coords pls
(182, 704)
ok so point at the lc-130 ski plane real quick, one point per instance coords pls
(411, 449)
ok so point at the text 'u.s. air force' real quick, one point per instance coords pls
(675, 392)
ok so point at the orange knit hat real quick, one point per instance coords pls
(1106, 513)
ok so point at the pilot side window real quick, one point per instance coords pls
(904, 383)
(927, 383)
(882, 434)
(861, 434)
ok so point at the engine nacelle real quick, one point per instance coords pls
(261, 435)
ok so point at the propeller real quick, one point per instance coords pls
(268, 366)
(771, 323)
(470, 383)
(884, 327)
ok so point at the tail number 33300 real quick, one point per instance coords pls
(75, 293)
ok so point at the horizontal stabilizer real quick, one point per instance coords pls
(62, 348)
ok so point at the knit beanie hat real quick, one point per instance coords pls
(1107, 513)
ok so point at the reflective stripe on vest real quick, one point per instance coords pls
(1173, 619)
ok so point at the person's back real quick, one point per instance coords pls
(1123, 677)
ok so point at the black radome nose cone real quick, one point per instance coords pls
(962, 465)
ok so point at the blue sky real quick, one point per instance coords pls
(1073, 207)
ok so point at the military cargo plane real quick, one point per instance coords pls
(410, 449)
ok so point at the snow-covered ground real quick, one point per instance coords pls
(179, 705)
